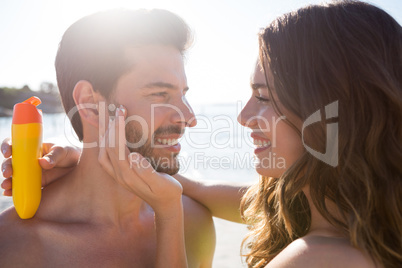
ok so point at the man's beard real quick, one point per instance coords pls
(169, 163)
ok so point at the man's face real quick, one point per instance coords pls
(157, 111)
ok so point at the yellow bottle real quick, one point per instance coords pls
(26, 136)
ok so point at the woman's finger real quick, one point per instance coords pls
(6, 147)
(7, 168)
(103, 157)
(8, 192)
(58, 156)
(6, 184)
(110, 144)
(117, 138)
(116, 143)
(46, 147)
(54, 155)
(121, 133)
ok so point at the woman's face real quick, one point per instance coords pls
(278, 145)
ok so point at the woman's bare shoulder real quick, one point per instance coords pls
(321, 251)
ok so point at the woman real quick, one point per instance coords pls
(345, 58)
(336, 201)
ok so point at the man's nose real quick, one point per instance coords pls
(184, 114)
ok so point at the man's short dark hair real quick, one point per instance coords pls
(93, 49)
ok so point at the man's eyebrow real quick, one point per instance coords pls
(256, 86)
(161, 85)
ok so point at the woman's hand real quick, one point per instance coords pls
(133, 171)
(161, 191)
(56, 162)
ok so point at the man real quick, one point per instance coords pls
(87, 218)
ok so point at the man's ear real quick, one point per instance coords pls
(87, 101)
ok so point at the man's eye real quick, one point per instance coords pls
(261, 99)
(159, 94)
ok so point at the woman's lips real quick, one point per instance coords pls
(261, 143)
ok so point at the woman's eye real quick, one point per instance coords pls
(261, 99)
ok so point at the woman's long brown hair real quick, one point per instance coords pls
(348, 53)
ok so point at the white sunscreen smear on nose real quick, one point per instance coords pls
(187, 105)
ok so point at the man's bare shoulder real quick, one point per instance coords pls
(321, 251)
(11, 225)
(8, 216)
(17, 236)
(199, 232)
(31, 241)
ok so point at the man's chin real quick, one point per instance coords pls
(169, 171)
(169, 165)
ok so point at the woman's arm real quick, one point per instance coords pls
(221, 198)
(171, 248)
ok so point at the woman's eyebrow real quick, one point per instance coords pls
(256, 86)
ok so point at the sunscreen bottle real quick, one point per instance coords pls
(26, 133)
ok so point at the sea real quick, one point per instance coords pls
(217, 148)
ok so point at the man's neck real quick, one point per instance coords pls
(90, 194)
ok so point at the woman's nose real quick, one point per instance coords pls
(248, 115)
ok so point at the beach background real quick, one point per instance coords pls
(218, 148)
(218, 67)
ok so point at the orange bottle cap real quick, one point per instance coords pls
(33, 100)
(26, 112)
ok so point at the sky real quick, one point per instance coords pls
(218, 65)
